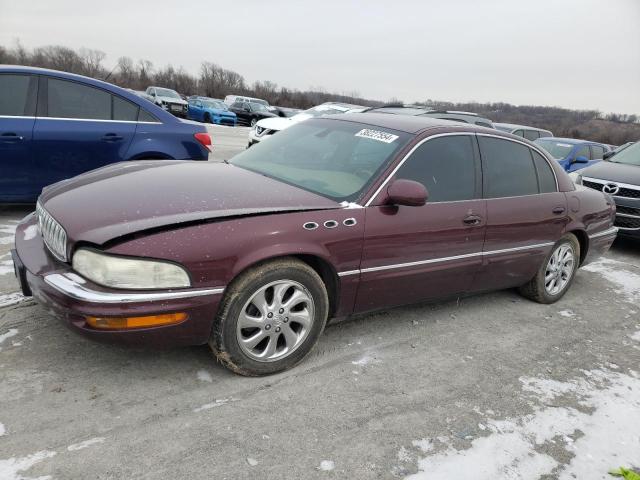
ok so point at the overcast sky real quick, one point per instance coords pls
(570, 53)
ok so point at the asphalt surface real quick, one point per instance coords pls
(427, 390)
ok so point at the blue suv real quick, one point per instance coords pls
(571, 153)
(55, 125)
(209, 110)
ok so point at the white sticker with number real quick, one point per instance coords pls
(376, 135)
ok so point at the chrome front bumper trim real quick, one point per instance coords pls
(71, 285)
(606, 233)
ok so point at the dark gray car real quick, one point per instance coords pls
(619, 177)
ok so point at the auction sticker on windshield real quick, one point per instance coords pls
(376, 135)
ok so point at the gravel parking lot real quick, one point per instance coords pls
(485, 387)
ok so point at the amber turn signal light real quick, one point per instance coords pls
(121, 323)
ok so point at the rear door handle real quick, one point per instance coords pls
(11, 137)
(472, 220)
(558, 210)
(111, 137)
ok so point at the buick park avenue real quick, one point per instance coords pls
(331, 217)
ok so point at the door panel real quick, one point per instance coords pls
(426, 235)
(412, 254)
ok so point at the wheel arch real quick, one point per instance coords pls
(320, 264)
(583, 240)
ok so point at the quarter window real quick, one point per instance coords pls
(144, 116)
(446, 166)
(546, 178)
(73, 100)
(508, 169)
(124, 110)
(15, 97)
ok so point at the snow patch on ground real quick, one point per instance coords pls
(204, 376)
(3, 430)
(566, 313)
(366, 360)
(252, 461)
(8, 299)
(627, 283)
(218, 403)
(7, 232)
(11, 333)
(10, 469)
(85, 444)
(327, 465)
(607, 436)
(426, 445)
(6, 264)
(30, 232)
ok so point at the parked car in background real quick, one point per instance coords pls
(335, 216)
(231, 99)
(267, 127)
(208, 110)
(169, 100)
(56, 125)
(286, 112)
(453, 115)
(616, 150)
(249, 113)
(619, 177)
(530, 133)
(571, 153)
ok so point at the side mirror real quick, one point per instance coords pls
(580, 159)
(407, 192)
(608, 155)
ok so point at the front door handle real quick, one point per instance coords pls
(472, 220)
(111, 137)
(11, 137)
(558, 210)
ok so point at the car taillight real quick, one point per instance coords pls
(205, 140)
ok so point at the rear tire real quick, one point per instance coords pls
(270, 318)
(556, 274)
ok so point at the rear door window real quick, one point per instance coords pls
(597, 152)
(508, 169)
(531, 134)
(446, 166)
(73, 100)
(17, 95)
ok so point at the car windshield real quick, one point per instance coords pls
(332, 158)
(214, 104)
(556, 149)
(165, 92)
(629, 155)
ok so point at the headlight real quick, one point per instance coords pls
(120, 272)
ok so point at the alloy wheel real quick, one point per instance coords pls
(559, 269)
(275, 321)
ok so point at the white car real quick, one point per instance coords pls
(169, 100)
(268, 126)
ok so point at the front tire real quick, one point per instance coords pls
(253, 122)
(556, 273)
(207, 118)
(270, 318)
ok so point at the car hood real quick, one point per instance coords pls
(280, 123)
(130, 197)
(171, 100)
(616, 172)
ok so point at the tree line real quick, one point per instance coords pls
(217, 82)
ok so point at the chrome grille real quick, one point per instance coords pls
(55, 238)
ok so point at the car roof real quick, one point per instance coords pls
(403, 123)
(572, 141)
(514, 126)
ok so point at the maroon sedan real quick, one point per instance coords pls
(330, 217)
